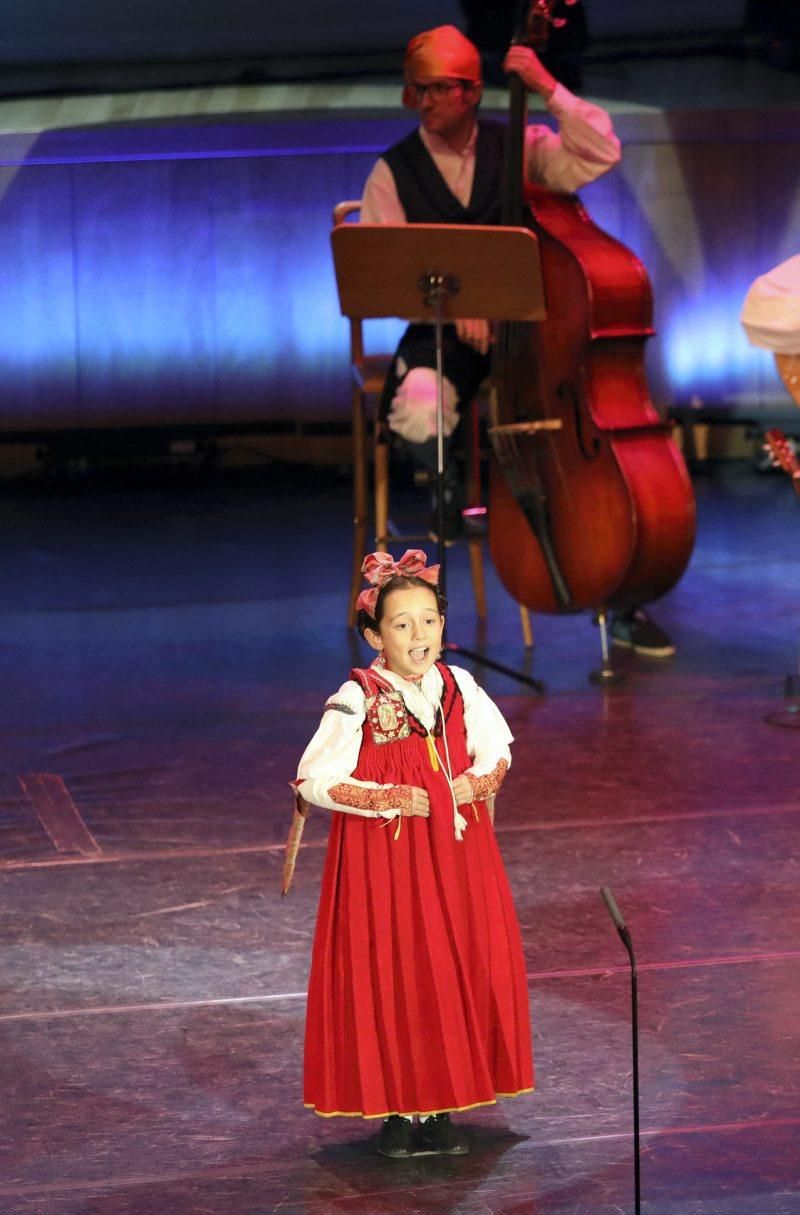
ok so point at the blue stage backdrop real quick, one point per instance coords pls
(182, 273)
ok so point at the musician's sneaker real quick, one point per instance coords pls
(453, 530)
(637, 631)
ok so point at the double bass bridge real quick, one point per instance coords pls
(505, 439)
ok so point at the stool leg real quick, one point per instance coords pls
(359, 503)
(473, 496)
(474, 458)
(476, 570)
(527, 630)
(381, 487)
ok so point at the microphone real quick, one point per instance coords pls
(613, 910)
(619, 923)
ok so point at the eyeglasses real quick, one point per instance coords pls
(438, 89)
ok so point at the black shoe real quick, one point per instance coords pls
(453, 519)
(395, 1138)
(437, 1134)
(638, 632)
(453, 529)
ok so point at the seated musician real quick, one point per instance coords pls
(450, 171)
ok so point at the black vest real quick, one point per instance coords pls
(422, 190)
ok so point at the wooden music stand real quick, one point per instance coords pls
(439, 273)
(379, 267)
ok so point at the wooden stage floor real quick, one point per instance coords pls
(167, 644)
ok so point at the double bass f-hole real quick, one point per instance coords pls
(567, 395)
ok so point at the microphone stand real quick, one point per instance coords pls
(616, 916)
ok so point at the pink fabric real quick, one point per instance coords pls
(379, 568)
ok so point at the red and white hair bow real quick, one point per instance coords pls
(380, 568)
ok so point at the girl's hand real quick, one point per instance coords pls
(462, 790)
(419, 805)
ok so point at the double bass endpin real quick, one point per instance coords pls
(606, 676)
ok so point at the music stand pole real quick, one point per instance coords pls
(435, 288)
(440, 512)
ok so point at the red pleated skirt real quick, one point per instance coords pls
(418, 998)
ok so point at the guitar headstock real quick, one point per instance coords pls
(783, 455)
(781, 452)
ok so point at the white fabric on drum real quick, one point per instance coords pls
(771, 311)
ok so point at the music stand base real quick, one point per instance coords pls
(520, 676)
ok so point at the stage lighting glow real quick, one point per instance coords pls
(705, 347)
(186, 272)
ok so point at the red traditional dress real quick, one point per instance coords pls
(418, 999)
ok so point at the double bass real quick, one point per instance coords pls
(591, 505)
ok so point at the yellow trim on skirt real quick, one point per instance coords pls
(450, 1109)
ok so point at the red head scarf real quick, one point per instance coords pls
(443, 51)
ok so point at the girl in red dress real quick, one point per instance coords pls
(418, 999)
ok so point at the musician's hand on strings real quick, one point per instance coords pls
(475, 333)
(530, 69)
(462, 790)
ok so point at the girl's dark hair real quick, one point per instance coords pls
(399, 583)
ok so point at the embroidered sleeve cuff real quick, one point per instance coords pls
(485, 786)
(386, 803)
